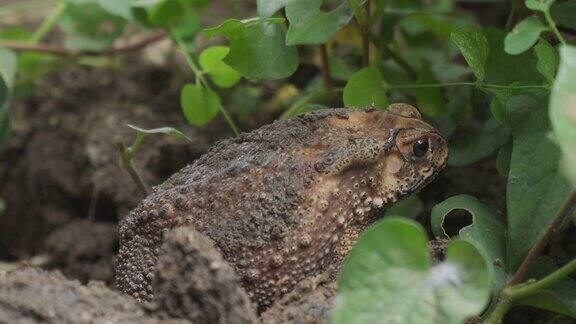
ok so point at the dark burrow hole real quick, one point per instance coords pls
(456, 220)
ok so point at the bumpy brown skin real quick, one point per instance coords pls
(286, 200)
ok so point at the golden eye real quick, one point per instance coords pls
(420, 148)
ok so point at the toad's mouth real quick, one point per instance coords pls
(422, 182)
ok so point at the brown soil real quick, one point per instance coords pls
(36, 296)
(65, 193)
(61, 163)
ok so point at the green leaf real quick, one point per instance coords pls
(563, 109)
(365, 89)
(169, 131)
(473, 46)
(503, 159)
(539, 5)
(477, 144)
(547, 60)
(187, 27)
(2, 205)
(559, 298)
(267, 8)
(564, 13)
(253, 44)
(121, 8)
(199, 104)
(88, 27)
(524, 35)
(486, 232)
(8, 63)
(161, 13)
(165, 13)
(504, 69)
(430, 101)
(536, 185)
(310, 25)
(409, 207)
(388, 278)
(222, 74)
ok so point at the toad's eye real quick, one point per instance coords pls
(420, 148)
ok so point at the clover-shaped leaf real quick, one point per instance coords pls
(365, 89)
(389, 278)
(310, 25)
(253, 43)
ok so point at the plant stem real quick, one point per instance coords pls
(49, 22)
(61, 51)
(325, 67)
(552, 25)
(366, 35)
(565, 211)
(126, 159)
(515, 293)
(200, 77)
(387, 51)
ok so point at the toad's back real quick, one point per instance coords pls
(280, 202)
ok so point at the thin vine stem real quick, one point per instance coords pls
(325, 67)
(565, 211)
(515, 293)
(200, 77)
(49, 22)
(552, 25)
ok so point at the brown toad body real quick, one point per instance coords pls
(287, 200)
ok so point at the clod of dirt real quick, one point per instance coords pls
(83, 250)
(310, 302)
(437, 248)
(194, 282)
(31, 295)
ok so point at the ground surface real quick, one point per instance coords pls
(65, 192)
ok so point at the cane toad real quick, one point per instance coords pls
(285, 201)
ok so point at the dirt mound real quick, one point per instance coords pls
(36, 296)
(61, 162)
(194, 282)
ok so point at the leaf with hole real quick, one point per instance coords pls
(199, 105)
(563, 109)
(388, 278)
(222, 74)
(364, 89)
(537, 187)
(486, 232)
(310, 25)
(252, 45)
(430, 101)
(473, 46)
(524, 35)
